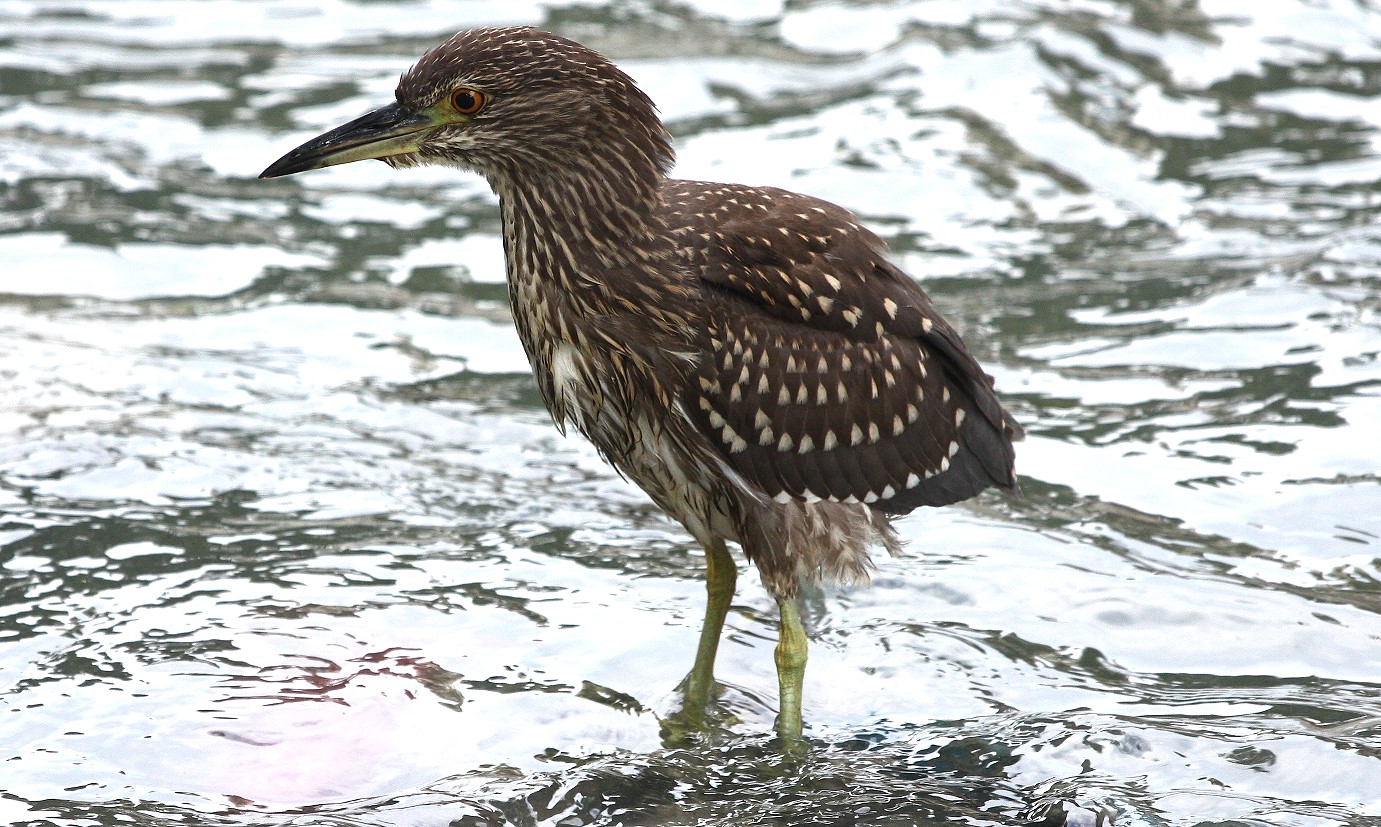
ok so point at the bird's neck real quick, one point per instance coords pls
(590, 273)
(577, 245)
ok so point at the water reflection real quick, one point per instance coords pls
(288, 538)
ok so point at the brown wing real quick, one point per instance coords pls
(827, 373)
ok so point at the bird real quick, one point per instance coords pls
(748, 356)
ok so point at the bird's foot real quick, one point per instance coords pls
(699, 717)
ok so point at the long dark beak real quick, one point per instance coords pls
(390, 130)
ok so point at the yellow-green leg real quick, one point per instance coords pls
(791, 672)
(720, 575)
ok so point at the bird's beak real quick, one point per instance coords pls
(390, 130)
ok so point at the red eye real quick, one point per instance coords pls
(468, 101)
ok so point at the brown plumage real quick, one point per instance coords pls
(746, 355)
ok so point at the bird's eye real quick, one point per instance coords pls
(468, 101)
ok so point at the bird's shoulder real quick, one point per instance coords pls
(802, 259)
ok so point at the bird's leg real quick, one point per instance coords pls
(720, 574)
(791, 671)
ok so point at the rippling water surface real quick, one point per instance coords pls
(288, 538)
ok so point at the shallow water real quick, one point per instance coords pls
(289, 540)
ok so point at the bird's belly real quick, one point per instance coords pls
(662, 470)
(640, 442)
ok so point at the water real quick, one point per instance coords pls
(289, 540)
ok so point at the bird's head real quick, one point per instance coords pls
(507, 103)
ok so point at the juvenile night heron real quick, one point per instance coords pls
(746, 355)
